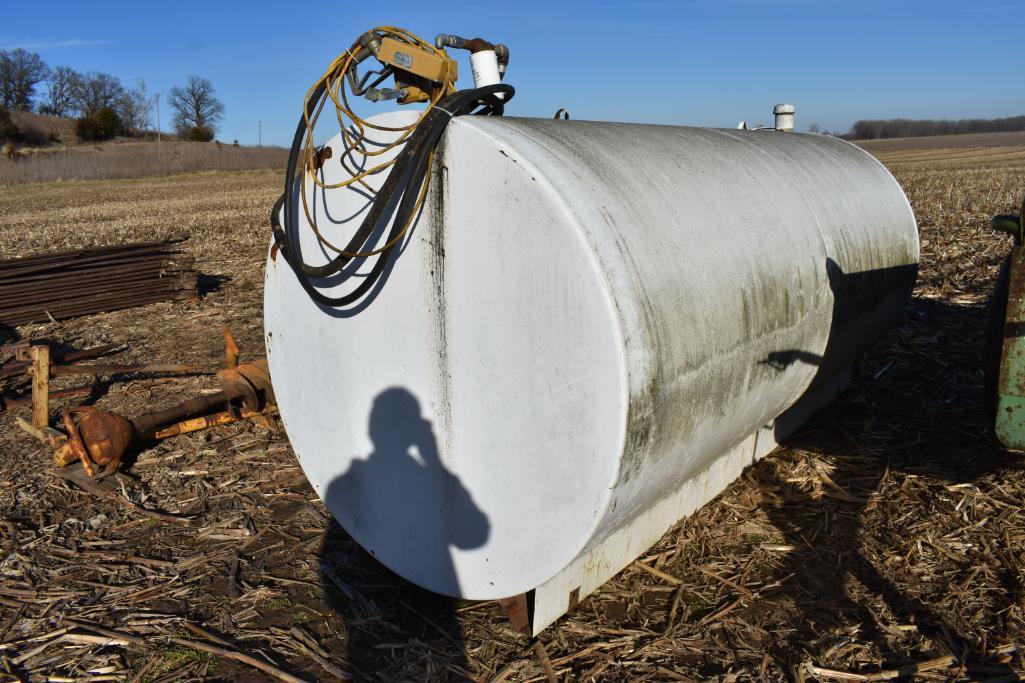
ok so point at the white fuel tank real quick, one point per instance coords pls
(589, 332)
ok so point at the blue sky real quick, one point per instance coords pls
(697, 62)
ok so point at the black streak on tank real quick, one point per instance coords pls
(436, 257)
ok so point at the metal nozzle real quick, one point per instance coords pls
(368, 41)
(502, 52)
(445, 40)
(381, 94)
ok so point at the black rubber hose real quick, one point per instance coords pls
(458, 104)
(410, 166)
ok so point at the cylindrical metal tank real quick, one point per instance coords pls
(584, 320)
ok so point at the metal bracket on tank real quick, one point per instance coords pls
(517, 610)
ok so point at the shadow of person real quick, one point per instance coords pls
(862, 493)
(406, 510)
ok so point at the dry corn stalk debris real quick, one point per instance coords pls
(883, 542)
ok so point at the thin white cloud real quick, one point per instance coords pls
(70, 42)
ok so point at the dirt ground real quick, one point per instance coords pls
(885, 541)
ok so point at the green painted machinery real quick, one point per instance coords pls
(1007, 338)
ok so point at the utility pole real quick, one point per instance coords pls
(158, 121)
(259, 133)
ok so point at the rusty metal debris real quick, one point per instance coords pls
(68, 284)
(39, 370)
(99, 438)
(41, 361)
(14, 402)
(20, 367)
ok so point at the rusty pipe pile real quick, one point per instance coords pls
(68, 284)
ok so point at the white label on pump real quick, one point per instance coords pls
(403, 60)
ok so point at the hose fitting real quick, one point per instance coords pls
(488, 60)
(369, 41)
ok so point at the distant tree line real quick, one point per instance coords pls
(906, 128)
(100, 104)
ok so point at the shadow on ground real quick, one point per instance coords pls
(412, 512)
(891, 509)
(207, 283)
(905, 445)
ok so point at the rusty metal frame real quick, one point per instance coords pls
(38, 357)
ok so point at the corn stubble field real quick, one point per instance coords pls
(121, 159)
(885, 541)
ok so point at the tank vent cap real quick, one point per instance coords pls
(784, 117)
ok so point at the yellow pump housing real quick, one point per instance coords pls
(435, 67)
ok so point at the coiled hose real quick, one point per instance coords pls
(405, 183)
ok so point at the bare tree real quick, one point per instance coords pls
(813, 128)
(20, 72)
(196, 109)
(94, 91)
(135, 107)
(8, 131)
(58, 100)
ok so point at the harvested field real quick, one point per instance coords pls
(887, 537)
(953, 151)
(134, 160)
(945, 143)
